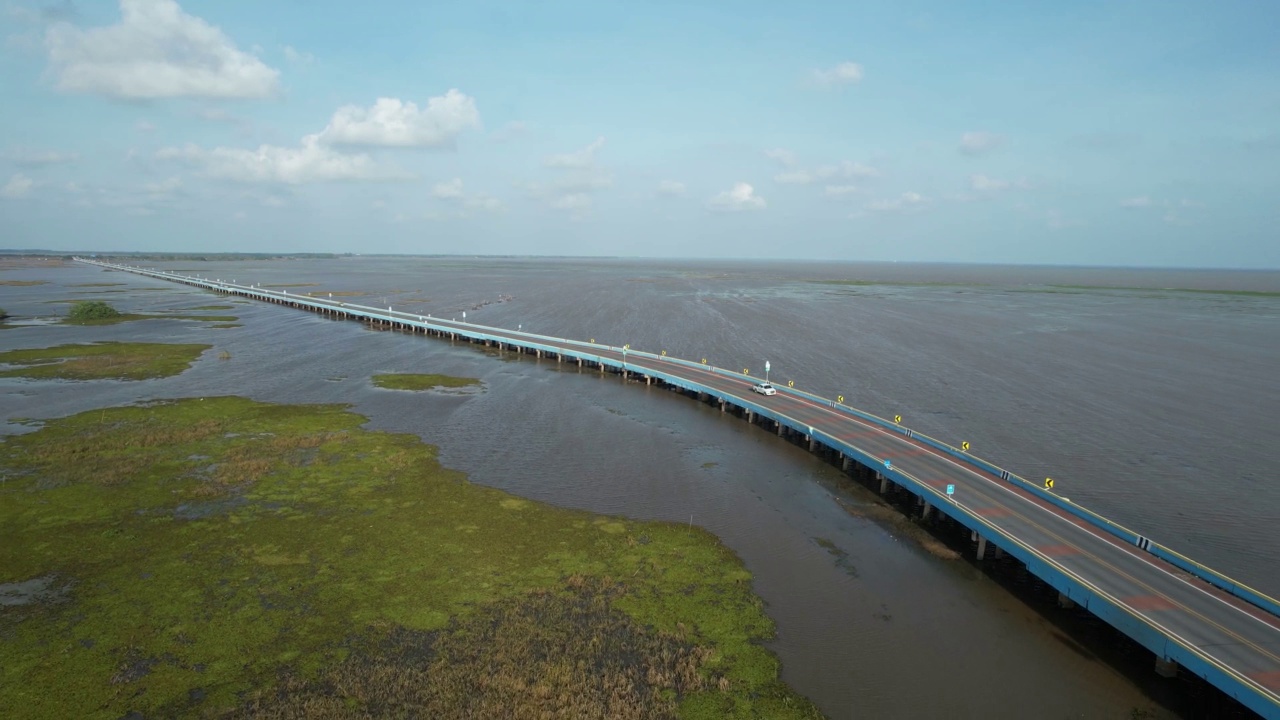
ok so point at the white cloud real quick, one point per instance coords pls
(26, 157)
(576, 202)
(310, 162)
(577, 182)
(578, 159)
(509, 131)
(740, 197)
(794, 177)
(391, 122)
(977, 143)
(155, 51)
(907, 202)
(843, 170)
(847, 169)
(297, 57)
(18, 186)
(785, 158)
(983, 183)
(670, 188)
(1136, 203)
(842, 74)
(840, 190)
(452, 191)
(163, 187)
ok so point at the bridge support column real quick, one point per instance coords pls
(1065, 602)
(811, 442)
(750, 415)
(844, 462)
(982, 547)
(722, 405)
(884, 484)
(648, 380)
(779, 428)
(1166, 668)
(928, 508)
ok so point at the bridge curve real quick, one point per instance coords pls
(1186, 614)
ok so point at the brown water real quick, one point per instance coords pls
(1151, 407)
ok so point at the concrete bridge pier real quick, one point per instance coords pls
(1065, 602)
(721, 405)
(982, 547)
(884, 484)
(811, 442)
(1166, 668)
(844, 462)
(779, 429)
(926, 511)
(750, 415)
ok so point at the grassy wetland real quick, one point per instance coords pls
(101, 361)
(419, 382)
(221, 557)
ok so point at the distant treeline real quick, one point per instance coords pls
(183, 257)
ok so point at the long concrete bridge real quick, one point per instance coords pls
(1193, 619)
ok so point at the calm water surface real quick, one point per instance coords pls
(1152, 407)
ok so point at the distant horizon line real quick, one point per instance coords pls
(973, 263)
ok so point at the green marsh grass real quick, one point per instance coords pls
(412, 381)
(101, 361)
(219, 556)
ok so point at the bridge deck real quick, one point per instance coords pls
(1211, 632)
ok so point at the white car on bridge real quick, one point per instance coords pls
(764, 388)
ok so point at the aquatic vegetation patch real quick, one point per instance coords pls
(91, 310)
(22, 283)
(101, 361)
(203, 308)
(413, 381)
(895, 283)
(1195, 291)
(211, 556)
(95, 284)
(119, 317)
(205, 318)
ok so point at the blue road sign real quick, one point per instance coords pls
(951, 490)
(888, 464)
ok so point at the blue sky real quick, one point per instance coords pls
(1102, 133)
